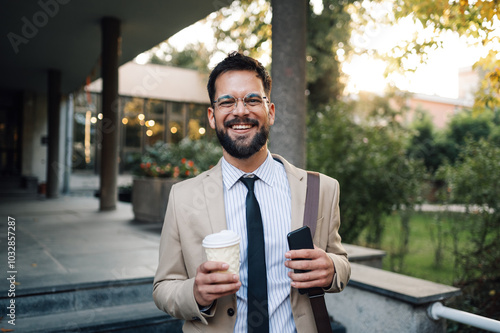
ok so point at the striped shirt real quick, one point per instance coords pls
(272, 191)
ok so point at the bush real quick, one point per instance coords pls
(370, 163)
(438, 147)
(474, 181)
(185, 159)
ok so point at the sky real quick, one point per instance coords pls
(438, 77)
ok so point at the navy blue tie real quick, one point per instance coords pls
(258, 314)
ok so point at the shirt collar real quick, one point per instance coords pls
(265, 172)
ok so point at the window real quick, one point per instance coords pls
(176, 122)
(154, 122)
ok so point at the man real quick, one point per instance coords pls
(186, 285)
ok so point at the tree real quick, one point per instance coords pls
(245, 26)
(488, 94)
(328, 36)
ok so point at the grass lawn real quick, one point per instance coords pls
(419, 261)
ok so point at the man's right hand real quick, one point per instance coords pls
(211, 282)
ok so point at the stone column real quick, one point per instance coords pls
(54, 118)
(110, 122)
(288, 72)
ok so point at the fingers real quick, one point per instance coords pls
(213, 266)
(305, 253)
(319, 266)
(316, 278)
(212, 282)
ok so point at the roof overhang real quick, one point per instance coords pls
(65, 35)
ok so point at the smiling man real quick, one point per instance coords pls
(259, 196)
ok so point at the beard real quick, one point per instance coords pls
(238, 148)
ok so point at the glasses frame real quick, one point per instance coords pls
(264, 99)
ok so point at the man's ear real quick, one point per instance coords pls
(211, 117)
(271, 114)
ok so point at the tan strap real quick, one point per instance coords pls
(316, 295)
(312, 201)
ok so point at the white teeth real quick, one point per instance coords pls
(241, 127)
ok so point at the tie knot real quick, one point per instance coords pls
(249, 182)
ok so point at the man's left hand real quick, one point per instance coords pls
(320, 267)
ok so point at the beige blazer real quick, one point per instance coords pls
(196, 209)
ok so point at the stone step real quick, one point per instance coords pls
(79, 297)
(121, 306)
(136, 317)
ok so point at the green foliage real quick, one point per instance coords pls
(469, 18)
(205, 154)
(419, 259)
(466, 125)
(488, 94)
(474, 181)
(370, 163)
(191, 57)
(424, 145)
(245, 24)
(435, 148)
(185, 159)
(327, 34)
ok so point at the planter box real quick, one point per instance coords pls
(150, 198)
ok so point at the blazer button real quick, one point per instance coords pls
(230, 312)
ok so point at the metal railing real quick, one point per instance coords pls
(438, 310)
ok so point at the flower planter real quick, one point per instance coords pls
(150, 198)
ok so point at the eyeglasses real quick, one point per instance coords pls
(252, 102)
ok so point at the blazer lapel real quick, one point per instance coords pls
(298, 187)
(214, 198)
(214, 195)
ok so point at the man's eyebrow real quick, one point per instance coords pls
(225, 96)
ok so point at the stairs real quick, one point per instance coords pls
(111, 306)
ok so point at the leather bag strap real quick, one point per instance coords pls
(312, 201)
(316, 295)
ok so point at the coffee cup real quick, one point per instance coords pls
(224, 246)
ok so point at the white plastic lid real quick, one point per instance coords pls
(221, 239)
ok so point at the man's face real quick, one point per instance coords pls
(243, 132)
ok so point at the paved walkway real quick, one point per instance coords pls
(68, 241)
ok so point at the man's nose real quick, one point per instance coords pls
(240, 108)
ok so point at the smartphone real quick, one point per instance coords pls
(297, 240)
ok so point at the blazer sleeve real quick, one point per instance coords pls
(331, 213)
(172, 286)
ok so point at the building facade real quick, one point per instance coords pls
(156, 104)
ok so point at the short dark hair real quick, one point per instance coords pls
(236, 61)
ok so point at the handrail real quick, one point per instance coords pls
(438, 310)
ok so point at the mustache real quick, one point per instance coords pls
(237, 121)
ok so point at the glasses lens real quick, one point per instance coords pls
(253, 102)
(226, 104)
